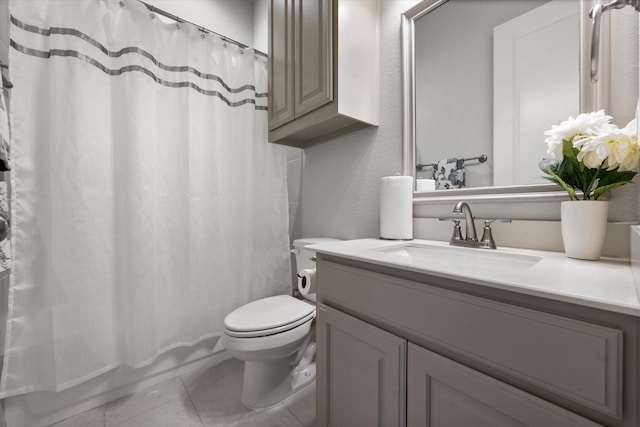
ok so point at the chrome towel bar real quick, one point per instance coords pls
(481, 158)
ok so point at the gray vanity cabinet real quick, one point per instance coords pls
(475, 356)
(323, 75)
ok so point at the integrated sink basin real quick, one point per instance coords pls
(458, 258)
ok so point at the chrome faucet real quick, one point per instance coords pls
(470, 240)
(470, 234)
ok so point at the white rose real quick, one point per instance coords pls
(611, 148)
(585, 124)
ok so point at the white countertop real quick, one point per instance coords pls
(606, 284)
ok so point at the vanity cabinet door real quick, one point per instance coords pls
(361, 373)
(443, 393)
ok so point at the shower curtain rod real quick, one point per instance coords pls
(176, 18)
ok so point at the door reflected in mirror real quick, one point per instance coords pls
(490, 77)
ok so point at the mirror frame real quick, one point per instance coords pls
(593, 96)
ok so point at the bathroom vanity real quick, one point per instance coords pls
(420, 333)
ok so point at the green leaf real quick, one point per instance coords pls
(555, 178)
(590, 177)
(613, 176)
(603, 189)
(570, 174)
(570, 153)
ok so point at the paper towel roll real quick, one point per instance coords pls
(396, 207)
(423, 185)
(307, 281)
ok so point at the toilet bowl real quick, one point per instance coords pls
(267, 335)
(271, 335)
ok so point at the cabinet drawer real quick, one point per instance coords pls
(578, 360)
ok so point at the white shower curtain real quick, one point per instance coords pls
(147, 203)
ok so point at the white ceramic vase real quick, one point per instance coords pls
(584, 227)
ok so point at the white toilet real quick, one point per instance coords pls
(270, 335)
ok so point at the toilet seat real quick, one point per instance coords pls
(268, 316)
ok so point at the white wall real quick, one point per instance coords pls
(260, 25)
(341, 177)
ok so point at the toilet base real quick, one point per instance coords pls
(266, 383)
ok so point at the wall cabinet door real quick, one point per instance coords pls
(301, 70)
(281, 65)
(361, 372)
(443, 393)
(313, 55)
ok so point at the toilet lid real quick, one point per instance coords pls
(268, 316)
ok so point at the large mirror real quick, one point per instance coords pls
(483, 80)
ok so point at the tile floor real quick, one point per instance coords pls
(203, 399)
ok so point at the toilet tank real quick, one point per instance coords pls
(303, 256)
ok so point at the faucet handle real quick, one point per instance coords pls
(457, 232)
(489, 221)
(487, 235)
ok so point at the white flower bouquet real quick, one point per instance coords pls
(591, 155)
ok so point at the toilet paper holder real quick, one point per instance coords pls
(306, 281)
(301, 276)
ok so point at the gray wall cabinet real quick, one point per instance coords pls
(475, 355)
(323, 71)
